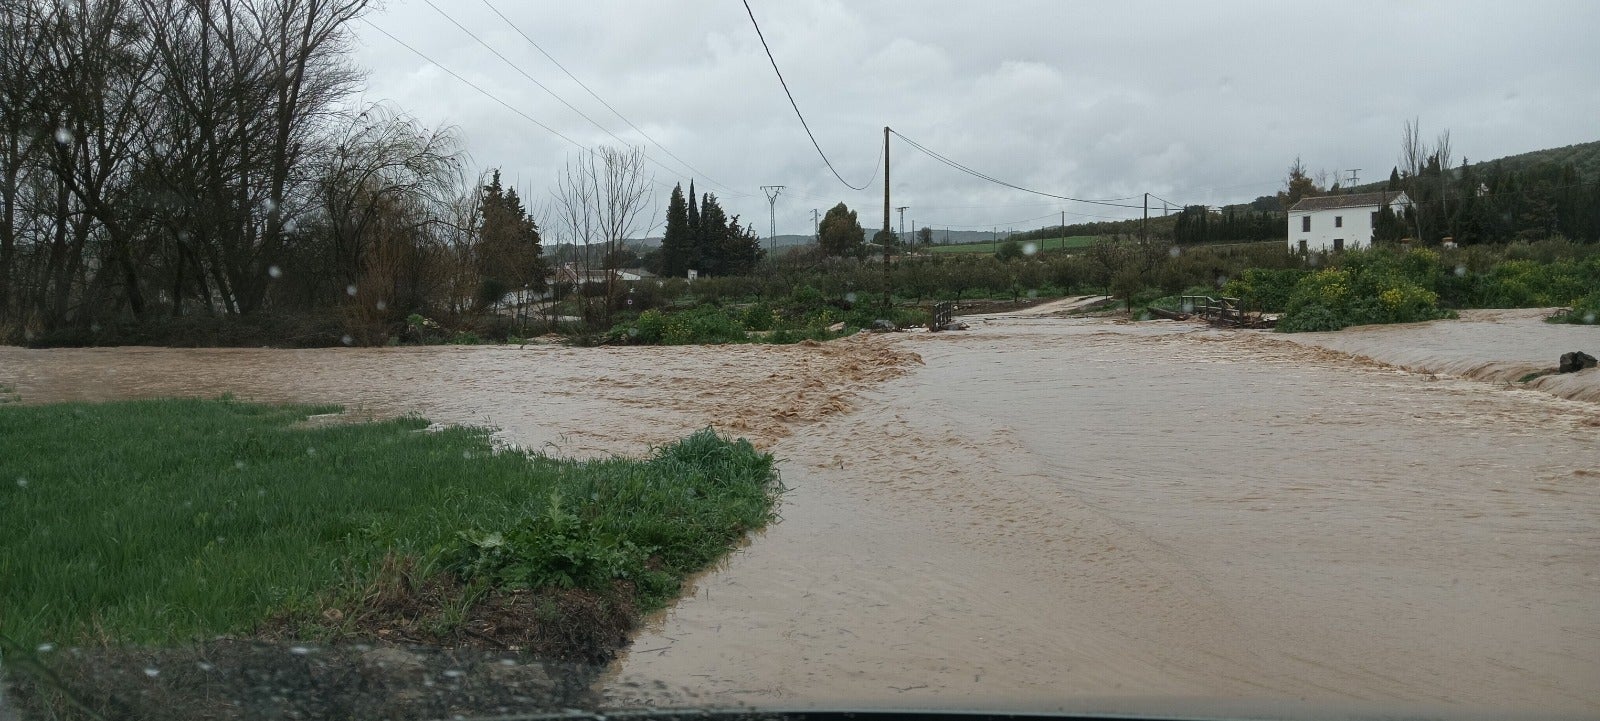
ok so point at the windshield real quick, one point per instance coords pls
(434, 360)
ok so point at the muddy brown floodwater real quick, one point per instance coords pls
(1043, 509)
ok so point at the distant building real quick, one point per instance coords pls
(1337, 222)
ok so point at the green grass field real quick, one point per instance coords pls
(162, 521)
(1070, 242)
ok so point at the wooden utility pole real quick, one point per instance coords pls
(887, 291)
(1144, 235)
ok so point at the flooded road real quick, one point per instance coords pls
(1056, 509)
(1043, 509)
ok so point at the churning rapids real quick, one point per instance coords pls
(1046, 508)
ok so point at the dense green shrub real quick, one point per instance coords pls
(1264, 288)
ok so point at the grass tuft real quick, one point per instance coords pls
(162, 521)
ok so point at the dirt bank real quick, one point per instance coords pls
(578, 402)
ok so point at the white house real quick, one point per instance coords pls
(1336, 222)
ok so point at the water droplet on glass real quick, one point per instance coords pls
(274, 271)
(22, 481)
(299, 650)
(850, 297)
(238, 465)
(382, 305)
(1222, 280)
(508, 662)
(1030, 248)
(152, 672)
(94, 327)
(261, 491)
(1174, 251)
(350, 290)
(63, 136)
(1588, 318)
(467, 455)
(347, 340)
(203, 666)
(269, 205)
(455, 673)
(46, 647)
(311, 451)
(1033, 293)
(1461, 270)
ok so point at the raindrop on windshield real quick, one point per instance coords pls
(299, 650)
(1461, 270)
(347, 340)
(274, 271)
(350, 290)
(1030, 248)
(1174, 251)
(63, 136)
(383, 305)
(46, 647)
(850, 297)
(22, 481)
(152, 672)
(239, 465)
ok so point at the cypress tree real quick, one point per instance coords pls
(675, 239)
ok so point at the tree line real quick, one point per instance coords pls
(189, 164)
(700, 236)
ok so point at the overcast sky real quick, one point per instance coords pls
(1195, 102)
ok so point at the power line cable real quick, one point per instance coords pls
(492, 96)
(958, 166)
(474, 86)
(801, 115)
(607, 105)
(542, 86)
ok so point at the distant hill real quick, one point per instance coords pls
(1585, 158)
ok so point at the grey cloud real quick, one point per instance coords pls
(1196, 102)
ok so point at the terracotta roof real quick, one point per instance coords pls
(1357, 200)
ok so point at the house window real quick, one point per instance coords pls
(1338, 244)
(1302, 247)
(1374, 218)
(1338, 221)
(1305, 224)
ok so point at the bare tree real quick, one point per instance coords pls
(600, 198)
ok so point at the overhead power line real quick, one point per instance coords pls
(542, 86)
(801, 115)
(607, 105)
(492, 96)
(1111, 202)
(474, 86)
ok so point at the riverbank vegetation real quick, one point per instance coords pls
(1389, 285)
(166, 521)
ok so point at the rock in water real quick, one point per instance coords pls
(884, 326)
(1575, 361)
